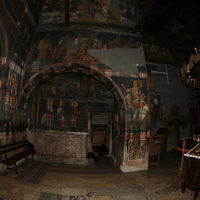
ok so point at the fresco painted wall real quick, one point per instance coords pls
(17, 26)
(12, 87)
(17, 18)
(65, 100)
(3, 79)
(113, 12)
(157, 111)
(11, 119)
(53, 12)
(106, 51)
(135, 92)
(158, 54)
(115, 54)
(102, 11)
(117, 130)
(111, 52)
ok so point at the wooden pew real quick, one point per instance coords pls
(13, 152)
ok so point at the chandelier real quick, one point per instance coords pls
(191, 71)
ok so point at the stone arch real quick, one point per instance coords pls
(61, 68)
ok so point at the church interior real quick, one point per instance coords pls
(99, 100)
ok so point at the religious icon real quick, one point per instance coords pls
(74, 113)
(48, 115)
(138, 108)
(61, 114)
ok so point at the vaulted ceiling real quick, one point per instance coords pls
(174, 24)
(170, 22)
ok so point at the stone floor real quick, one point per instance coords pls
(157, 183)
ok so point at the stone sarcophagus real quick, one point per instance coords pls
(60, 146)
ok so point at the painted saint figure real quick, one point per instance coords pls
(61, 114)
(74, 113)
(11, 93)
(138, 108)
(48, 115)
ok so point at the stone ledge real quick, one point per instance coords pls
(61, 160)
(126, 168)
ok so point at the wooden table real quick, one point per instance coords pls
(183, 150)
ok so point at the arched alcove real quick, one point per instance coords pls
(78, 104)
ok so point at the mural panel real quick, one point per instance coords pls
(78, 47)
(158, 54)
(137, 149)
(135, 92)
(15, 19)
(73, 86)
(12, 87)
(2, 81)
(114, 12)
(64, 101)
(157, 112)
(53, 12)
(102, 11)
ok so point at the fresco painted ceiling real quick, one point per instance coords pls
(170, 23)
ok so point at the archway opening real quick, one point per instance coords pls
(74, 114)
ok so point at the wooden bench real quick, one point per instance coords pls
(13, 152)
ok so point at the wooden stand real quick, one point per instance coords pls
(192, 177)
(154, 150)
(183, 144)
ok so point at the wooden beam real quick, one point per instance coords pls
(87, 25)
